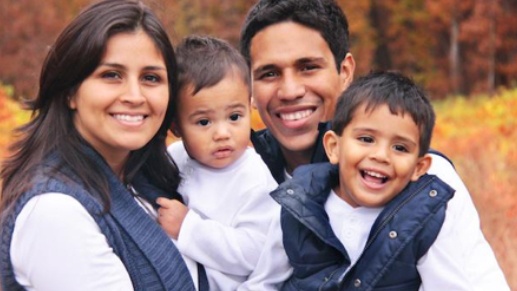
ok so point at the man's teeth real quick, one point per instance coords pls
(296, 115)
(375, 174)
(129, 118)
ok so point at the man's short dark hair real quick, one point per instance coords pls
(324, 16)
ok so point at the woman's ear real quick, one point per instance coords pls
(331, 145)
(72, 103)
(422, 166)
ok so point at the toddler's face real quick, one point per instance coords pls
(215, 122)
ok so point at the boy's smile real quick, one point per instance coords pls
(377, 154)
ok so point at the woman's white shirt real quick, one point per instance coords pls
(57, 246)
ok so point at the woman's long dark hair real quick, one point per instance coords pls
(75, 55)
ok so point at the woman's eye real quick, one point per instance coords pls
(111, 75)
(152, 78)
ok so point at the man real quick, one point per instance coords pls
(298, 52)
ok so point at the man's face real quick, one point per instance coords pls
(295, 84)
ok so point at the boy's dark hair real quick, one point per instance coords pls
(324, 16)
(397, 91)
(203, 61)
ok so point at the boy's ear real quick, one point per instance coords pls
(331, 145)
(346, 71)
(175, 129)
(422, 166)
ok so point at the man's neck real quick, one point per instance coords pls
(294, 159)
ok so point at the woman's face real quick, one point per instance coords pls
(122, 104)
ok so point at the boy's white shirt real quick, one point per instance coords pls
(231, 213)
(459, 259)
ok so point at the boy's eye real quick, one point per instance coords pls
(235, 117)
(203, 122)
(366, 139)
(400, 148)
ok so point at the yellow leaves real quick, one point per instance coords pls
(11, 116)
(480, 135)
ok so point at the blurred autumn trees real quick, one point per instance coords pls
(450, 46)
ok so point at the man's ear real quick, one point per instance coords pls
(346, 71)
(253, 103)
(331, 145)
(422, 166)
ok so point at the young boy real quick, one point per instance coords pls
(225, 184)
(298, 52)
(371, 217)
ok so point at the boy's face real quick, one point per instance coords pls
(295, 83)
(215, 123)
(377, 155)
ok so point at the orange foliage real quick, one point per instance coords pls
(479, 135)
(7, 122)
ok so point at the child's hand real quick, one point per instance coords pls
(171, 215)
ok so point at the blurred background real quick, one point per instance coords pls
(464, 52)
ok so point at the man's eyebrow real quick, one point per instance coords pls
(267, 67)
(311, 60)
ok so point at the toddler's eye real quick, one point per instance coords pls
(235, 117)
(203, 122)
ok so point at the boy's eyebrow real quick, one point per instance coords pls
(398, 137)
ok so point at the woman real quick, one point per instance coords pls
(72, 218)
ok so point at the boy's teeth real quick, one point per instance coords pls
(374, 174)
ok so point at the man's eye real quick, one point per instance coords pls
(309, 67)
(266, 75)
